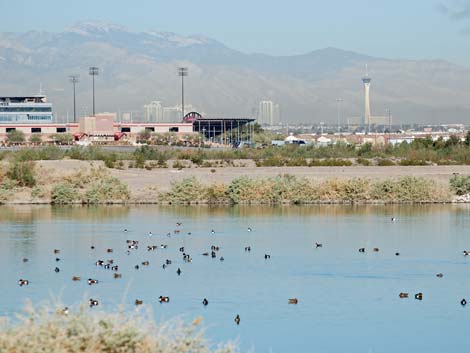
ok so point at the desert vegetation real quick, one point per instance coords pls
(83, 330)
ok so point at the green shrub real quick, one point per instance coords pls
(460, 184)
(185, 191)
(382, 162)
(64, 194)
(106, 190)
(363, 161)
(35, 139)
(22, 172)
(16, 136)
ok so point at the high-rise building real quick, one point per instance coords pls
(153, 112)
(266, 113)
(367, 115)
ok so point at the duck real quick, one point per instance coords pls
(247, 248)
(57, 270)
(267, 256)
(145, 263)
(182, 249)
(419, 296)
(107, 266)
(205, 254)
(150, 234)
(57, 259)
(376, 249)
(136, 267)
(440, 275)
(213, 232)
(64, 311)
(114, 268)
(178, 271)
(23, 282)
(237, 319)
(205, 302)
(249, 229)
(362, 250)
(117, 275)
(397, 254)
(318, 245)
(393, 219)
(138, 302)
(463, 302)
(213, 255)
(466, 252)
(92, 281)
(99, 263)
(179, 224)
(76, 278)
(56, 251)
(25, 259)
(168, 262)
(93, 302)
(163, 299)
(293, 301)
(403, 295)
(125, 230)
(92, 247)
(109, 250)
(222, 258)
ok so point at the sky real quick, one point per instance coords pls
(410, 29)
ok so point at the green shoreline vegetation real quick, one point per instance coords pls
(65, 330)
(19, 173)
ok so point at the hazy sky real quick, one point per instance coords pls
(426, 29)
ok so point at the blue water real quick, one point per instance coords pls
(348, 301)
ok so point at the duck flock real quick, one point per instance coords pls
(133, 245)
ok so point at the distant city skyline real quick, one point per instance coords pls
(421, 29)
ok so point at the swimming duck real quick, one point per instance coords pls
(403, 295)
(376, 249)
(76, 278)
(57, 259)
(463, 302)
(248, 248)
(56, 251)
(163, 299)
(99, 263)
(107, 266)
(125, 230)
(440, 275)
(23, 282)
(397, 254)
(419, 296)
(293, 301)
(213, 232)
(222, 258)
(213, 255)
(168, 262)
(205, 302)
(117, 275)
(318, 245)
(362, 250)
(267, 256)
(393, 219)
(57, 270)
(92, 247)
(145, 263)
(150, 234)
(115, 268)
(178, 271)
(466, 252)
(249, 229)
(237, 319)
(136, 267)
(25, 260)
(179, 224)
(139, 302)
(182, 249)
(93, 302)
(109, 250)
(92, 281)
(205, 254)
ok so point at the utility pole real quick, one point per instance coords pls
(93, 71)
(74, 79)
(182, 72)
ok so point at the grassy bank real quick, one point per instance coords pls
(83, 331)
(291, 190)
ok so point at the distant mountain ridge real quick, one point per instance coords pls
(137, 67)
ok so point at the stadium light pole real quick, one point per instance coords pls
(93, 71)
(338, 108)
(74, 79)
(182, 72)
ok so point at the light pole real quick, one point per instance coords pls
(182, 72)
(93, 71)
(74, 79)
(338, 107)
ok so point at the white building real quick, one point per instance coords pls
(268, 113)
(153, 112)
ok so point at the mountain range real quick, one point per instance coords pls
(138, 67)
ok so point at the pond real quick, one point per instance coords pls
(348, 301)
